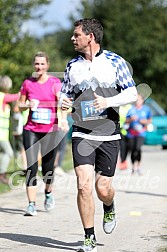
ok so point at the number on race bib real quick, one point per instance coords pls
(41, 115)
(90, 113)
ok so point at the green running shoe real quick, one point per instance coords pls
(109, 221)
(89, 245)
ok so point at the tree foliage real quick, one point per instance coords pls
(136, 29)
(15, 56)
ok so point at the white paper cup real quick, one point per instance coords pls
(36, 103)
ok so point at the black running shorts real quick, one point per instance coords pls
(102, 155)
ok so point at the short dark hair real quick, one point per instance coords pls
(91, 25)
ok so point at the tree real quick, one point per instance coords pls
(15, 45)
(136, 30)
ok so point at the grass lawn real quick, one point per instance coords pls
(67, 165)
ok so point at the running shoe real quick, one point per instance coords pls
(49, 202)
(109, 221)
(123, 165)
(139, 172)
(31, 210)
(89, 244)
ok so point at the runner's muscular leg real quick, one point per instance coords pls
(104, 189)
(85, 201)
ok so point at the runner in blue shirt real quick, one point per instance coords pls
(138, 117)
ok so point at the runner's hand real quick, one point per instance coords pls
(99, 102)
(66, 103)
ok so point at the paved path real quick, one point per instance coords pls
(141, 206)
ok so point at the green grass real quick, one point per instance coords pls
(4, 188)
(10, 174)
(67, 165)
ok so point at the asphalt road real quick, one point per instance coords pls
(141, 207)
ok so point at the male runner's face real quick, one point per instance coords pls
(80, 40)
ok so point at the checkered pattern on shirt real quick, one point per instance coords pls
(123, 76)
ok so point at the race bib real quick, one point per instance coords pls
(41, 115)
(90, 113)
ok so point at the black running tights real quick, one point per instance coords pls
(135, 145)
(46, 144)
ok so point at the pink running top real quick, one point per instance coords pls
(44, 118)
